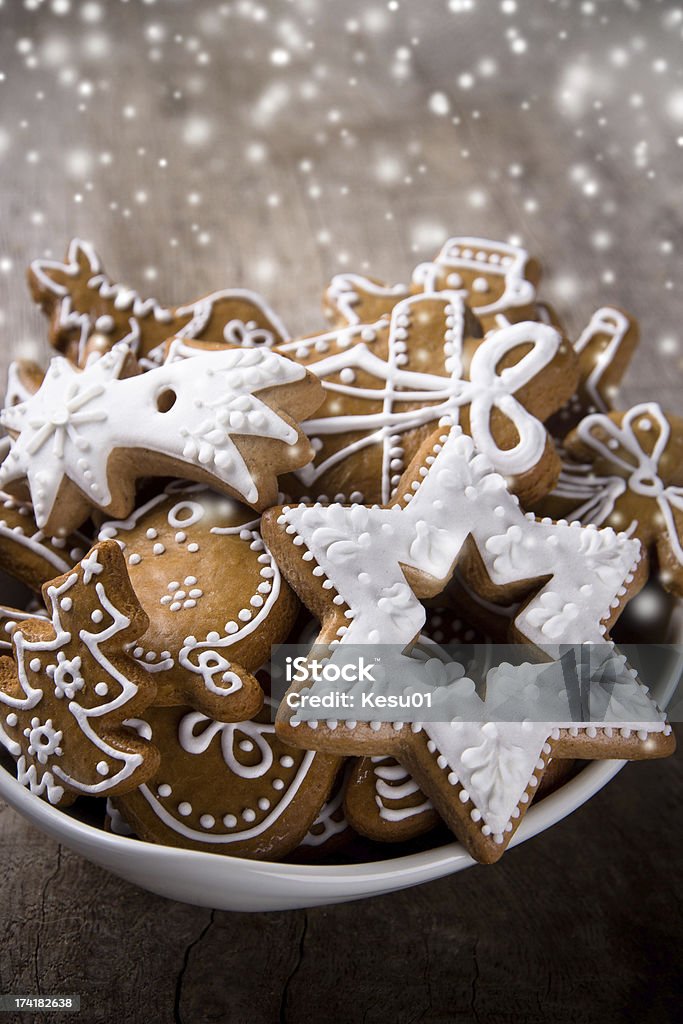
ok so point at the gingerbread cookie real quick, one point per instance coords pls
(89, 313)
(330, 832)
(389, 383)
(628, 474)
(497, 280)
(27, 553)
(70, 689)
(383, 802)
(214, 596)
(361, 570)
(24, 377)
(87, 435)
(604, 350)
(227, 788)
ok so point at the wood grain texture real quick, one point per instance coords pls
(275, 179)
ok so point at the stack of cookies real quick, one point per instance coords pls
(188, 486)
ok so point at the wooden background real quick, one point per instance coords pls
(201, 145)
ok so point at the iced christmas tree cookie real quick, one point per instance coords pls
(71, 690)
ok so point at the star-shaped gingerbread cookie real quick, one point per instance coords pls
(84, 438)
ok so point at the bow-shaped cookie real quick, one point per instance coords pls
(629, 475)
(389, 383)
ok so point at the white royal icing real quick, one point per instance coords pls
(79, 417)
(635, 470)
(204, 654)
(436, 394)
(196, 315)
(393, 782)
(43, 770)
(497, 260)
(610, 322)
(361, 551)
(195, 734)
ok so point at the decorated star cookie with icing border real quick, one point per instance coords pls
(604, 350)
(214, 595)
(85, 437)
(234, 789)
(361, 570)
(29, 555)
(388, 383)
(628, 473)
(497, 280)
(89, 313)
(70, 688)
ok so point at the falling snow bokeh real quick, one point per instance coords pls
(205, 144)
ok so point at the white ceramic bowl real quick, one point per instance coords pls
(234, 883)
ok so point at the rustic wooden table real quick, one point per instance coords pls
(202, 144)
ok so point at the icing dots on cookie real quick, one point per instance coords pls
(496, 279)
(70, 686)
(85, 436)
(227, 788)
(214, 595)
(89, 313)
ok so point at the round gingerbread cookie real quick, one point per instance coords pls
(214, 596)
(227, 788)
(27, 553)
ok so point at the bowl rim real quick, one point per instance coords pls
(543, 815)
(552, 809)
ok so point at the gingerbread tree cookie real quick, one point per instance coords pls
(89, 313)
(87, 435)
(628, 474)
(71, 687)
